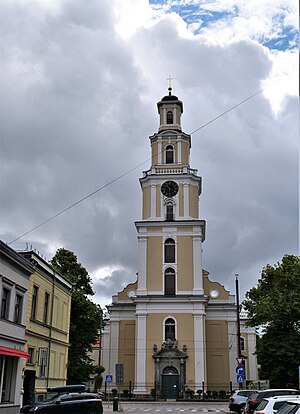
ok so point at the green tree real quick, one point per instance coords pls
(85, 316)
(98, 377)
(275, 306)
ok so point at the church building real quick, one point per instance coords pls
(173, 329)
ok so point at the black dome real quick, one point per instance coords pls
(170, 98)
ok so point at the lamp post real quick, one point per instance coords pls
(239, 351)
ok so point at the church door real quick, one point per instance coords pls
(170, 382)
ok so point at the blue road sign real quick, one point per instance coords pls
(240, 378)
(240, 370)
(108, 378)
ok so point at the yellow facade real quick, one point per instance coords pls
(47, 327)
(174, 328)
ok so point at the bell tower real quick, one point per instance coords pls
(170, 236)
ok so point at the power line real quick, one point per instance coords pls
(127, 172)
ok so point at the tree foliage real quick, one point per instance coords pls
(85, 316)
(275, 305)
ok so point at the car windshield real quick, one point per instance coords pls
(52, 398)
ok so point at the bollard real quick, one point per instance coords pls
(115, 404)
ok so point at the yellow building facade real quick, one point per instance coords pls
(173, 328)
(47, 329)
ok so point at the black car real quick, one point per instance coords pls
(67, 400)
(254, 400)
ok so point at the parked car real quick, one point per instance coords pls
(238, 399)
(272, 404)
(290, 407)
(256, 398)
(71, 399)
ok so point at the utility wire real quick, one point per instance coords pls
(129, 171)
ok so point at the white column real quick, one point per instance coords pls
(160, 154)
(197, 265)
(186, 201)
(199, 345)
(140, 366)
(114, 348)
(142, 265)
(153, 201)
(179, 150)
(232, 349)
(106, 349)
(164, 116)
(252, 362)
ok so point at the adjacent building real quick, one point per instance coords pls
(173, 329)
(47, 328)
(15, 272)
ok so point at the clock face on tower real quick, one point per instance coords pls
(169, 188)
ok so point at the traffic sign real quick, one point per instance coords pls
(240, 370)
(240, 378)
(108, 378)
(240, 361)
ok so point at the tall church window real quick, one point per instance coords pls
(170, 212)
(242, 343)
(169, 251)
(169, 154)
(169, 117)
(170, 281)
(170, 329)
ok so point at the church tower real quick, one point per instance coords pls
(173, 328)
(170, 235)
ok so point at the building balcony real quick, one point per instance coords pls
(170, 170)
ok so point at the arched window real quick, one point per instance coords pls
(169, 251)
(169, 154)
(169, 281)
(169, 117)
(170, 329)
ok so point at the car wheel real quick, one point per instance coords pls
(92, 410)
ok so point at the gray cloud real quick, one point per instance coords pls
(78, 106)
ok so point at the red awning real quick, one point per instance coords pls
(13, 352)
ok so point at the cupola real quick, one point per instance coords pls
(170, 109)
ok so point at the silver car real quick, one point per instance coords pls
(238, 399)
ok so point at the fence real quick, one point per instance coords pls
(150, 391)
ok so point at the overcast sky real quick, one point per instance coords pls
(79, 85)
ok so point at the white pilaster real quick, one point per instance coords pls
(142, 265)
(106, 348)
(153, 201)
(232, 350)
(159, 149)
(179, 151)
(197, 264)
(199, 345)
(186, 201)
(140, 366)
(114, 350)
(252, 362)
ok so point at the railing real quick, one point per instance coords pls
(170, 170)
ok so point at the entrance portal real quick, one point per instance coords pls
(170, 382)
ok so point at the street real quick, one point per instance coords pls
(167, 407)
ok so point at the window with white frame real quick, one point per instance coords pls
(169, 154)
(169, 254)
(170, 329)
(169, 281)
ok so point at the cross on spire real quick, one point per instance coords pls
(170, 86)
